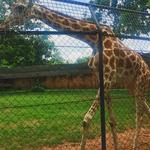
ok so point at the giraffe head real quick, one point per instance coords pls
(19, 13)
(20, 10)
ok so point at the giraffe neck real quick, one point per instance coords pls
(62, 22)
(57, 21)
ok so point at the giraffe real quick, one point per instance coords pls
(119, 62)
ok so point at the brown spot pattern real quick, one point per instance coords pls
(83, 24)
(65, 22)
(133, 58)
(116, 45)
(121, 62)
(50, 16)
(93, 27)
(116, 52)
(107, 69)
(108, 53)
(108, 44)
(93, 37)
(122, 53)
(112, 62)
(55, 16)
(75, 26)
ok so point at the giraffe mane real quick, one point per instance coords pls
(65, 15)
(70, 17)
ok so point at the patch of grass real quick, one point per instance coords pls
(36, 119)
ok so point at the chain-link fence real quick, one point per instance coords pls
(47, 86)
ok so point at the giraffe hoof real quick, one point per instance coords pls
(85, 125)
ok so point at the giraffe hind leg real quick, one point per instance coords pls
(139, 117)
(147, 108)
(112, 123)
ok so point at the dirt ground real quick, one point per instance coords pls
(125, 142)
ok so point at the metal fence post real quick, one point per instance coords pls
(101, 81)
(101, 86)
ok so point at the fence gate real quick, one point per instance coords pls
(73, 76)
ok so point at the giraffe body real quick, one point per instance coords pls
(128, 68)
(120, 63)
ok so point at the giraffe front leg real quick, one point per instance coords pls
(87, 120)
(112, 123)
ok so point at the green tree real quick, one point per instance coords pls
(133, 23)
(148, 4)
(18, 50)
(5, 7)
(126, 22)
(56, 57)
(101, 2)
(82, 60)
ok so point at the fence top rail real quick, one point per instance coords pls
(72, 33)
(104, 7)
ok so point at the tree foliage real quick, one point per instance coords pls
(82, 60)
(125, 21)
(101, 2)
(18, 50)
(148, 4)
(21, 50)
(5, 7)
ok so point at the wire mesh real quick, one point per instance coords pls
(43, 100)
